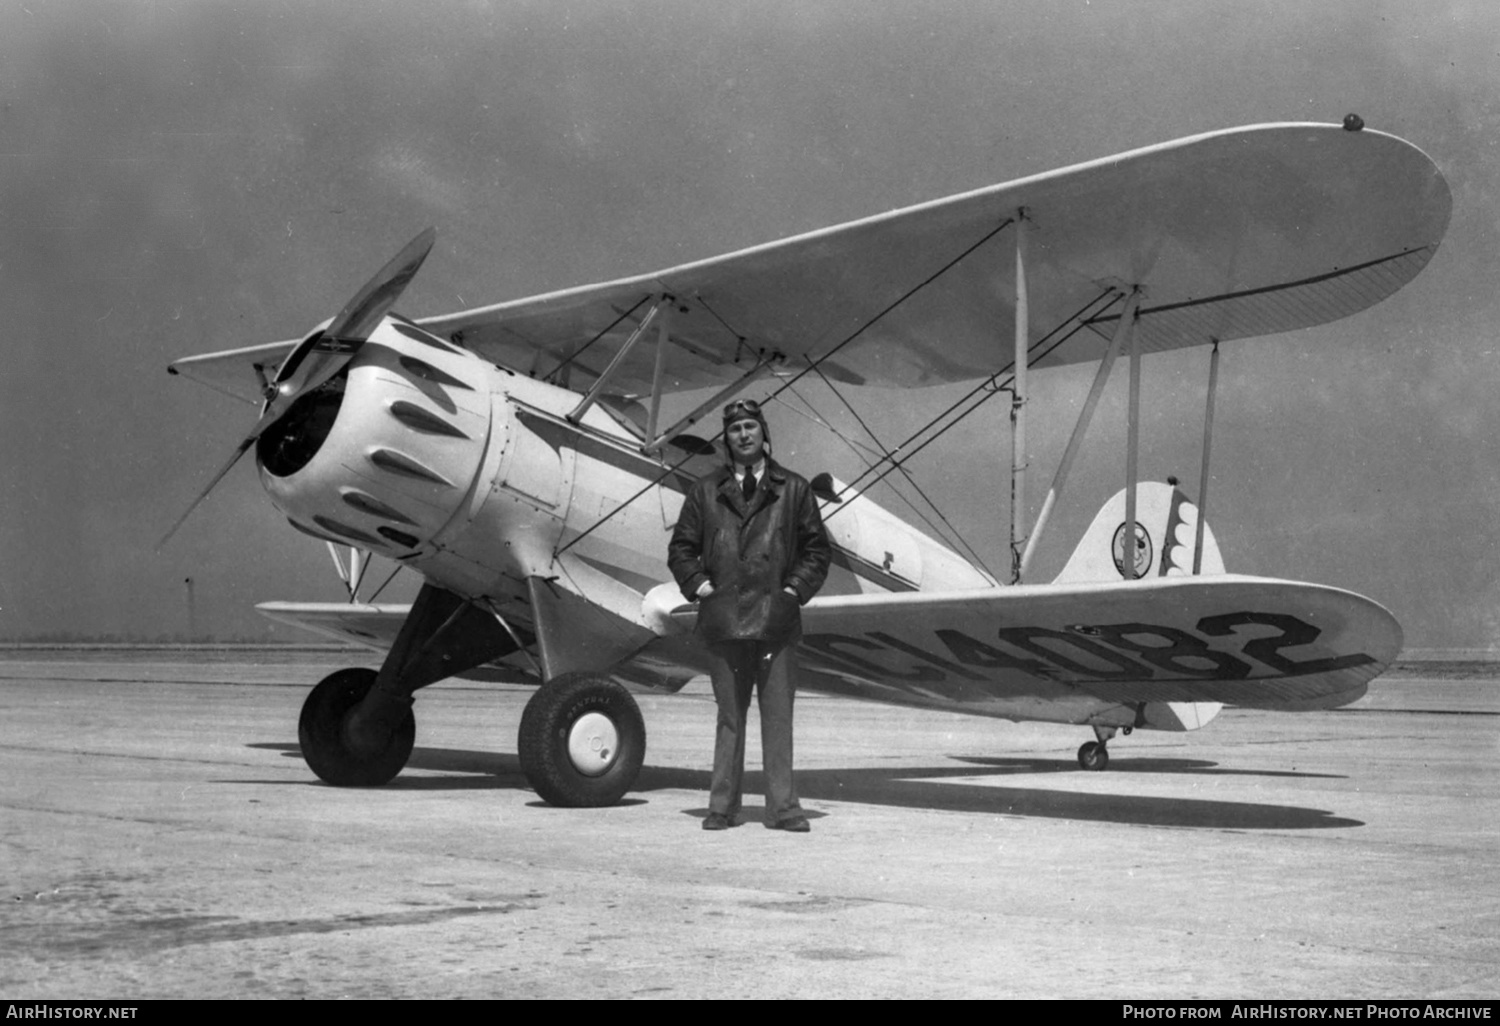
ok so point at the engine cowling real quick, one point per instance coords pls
(389, 452)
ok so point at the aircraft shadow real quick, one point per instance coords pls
(916, 788)
(1132, 764)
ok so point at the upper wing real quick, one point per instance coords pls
(1232, 234)
(243, 373)
(1015, 651)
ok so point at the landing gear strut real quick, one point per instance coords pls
(357, 727)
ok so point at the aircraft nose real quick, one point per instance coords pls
(383, 454)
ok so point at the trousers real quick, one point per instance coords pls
(740, 667)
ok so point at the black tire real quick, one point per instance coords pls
(320, 730)
(1093, 756)
(568, 712)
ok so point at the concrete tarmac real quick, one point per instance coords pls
(163, 839)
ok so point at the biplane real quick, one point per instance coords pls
(520, 457)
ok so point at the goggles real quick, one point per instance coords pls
(742, 408)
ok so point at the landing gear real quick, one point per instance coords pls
(357, 727)
(345, 757)
(1093, 755)
(582, 741)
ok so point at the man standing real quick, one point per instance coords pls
(750, 548)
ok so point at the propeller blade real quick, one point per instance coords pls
(360, 315)
(349, 330)
(334, 348)
(226, 468)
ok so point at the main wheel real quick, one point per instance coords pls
(1093, 756)
(321, 733)
(582, 741)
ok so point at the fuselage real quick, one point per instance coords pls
(478, 478)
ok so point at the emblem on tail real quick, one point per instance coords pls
(1167, 539)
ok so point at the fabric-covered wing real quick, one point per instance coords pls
(1232, 234)
(373, 626)
(666, 668)
(1238, 640)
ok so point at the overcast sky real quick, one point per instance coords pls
(181, 177)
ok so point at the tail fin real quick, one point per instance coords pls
(1166, 526)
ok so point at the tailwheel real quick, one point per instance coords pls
(582, 741)
(326, 741)
(1093, 755)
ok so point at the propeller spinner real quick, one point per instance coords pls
(324, 353)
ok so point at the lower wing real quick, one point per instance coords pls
(1048, 652)
(1237, 640)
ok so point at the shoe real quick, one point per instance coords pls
(794, 825)
(716, 821)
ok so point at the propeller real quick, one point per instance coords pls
(323, 354)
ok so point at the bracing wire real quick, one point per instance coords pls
(800, 374)
(376, 595)
(953, 532)
(812, 364)
(989, 385)
(861, 450)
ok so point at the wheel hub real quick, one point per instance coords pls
(593, 744)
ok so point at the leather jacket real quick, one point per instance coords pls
(750, 554)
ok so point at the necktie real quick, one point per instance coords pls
(749, 485)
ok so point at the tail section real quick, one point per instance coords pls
(1166, 540)
(1166, 527)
